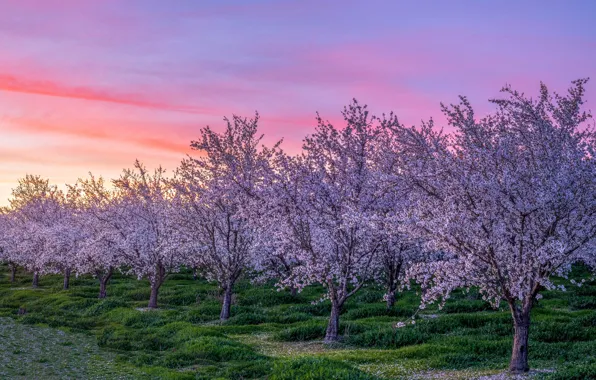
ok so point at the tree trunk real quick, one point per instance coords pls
(153, 297)
(66, 279)
(227, 303)
(103, 283)
(156, 282)
(519, 355)
(13, 273)
(390, 299)
(194, 274)
(102, 289)
(293, 291)
(332, 333)
(393, 269)
(35, 280)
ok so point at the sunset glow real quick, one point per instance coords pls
(93, 85)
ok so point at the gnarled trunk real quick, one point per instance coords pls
(35, 280)
(332, 333)
(66, 279)
(103, 283)
(13, 273)
(226, 304)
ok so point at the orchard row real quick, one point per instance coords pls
(501, 203)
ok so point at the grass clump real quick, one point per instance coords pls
(316, 369)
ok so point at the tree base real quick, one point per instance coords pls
(333, 340)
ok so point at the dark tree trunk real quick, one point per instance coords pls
(35, 280)
(66, 279)
(293, 291)
(13, 273)
(226, 304)
(102, 289)
(393, 269)
(332, 333)
(390, 299)
(156, 282)
(103, 283)
(519, 355)
(194, 274)
(153, 297)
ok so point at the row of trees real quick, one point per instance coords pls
(502, 204)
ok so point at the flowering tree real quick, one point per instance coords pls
(328, 203)
(510, 198)
(218, 194)
(277, 255)
(152, 246)
(8, 244)
(35, 207)
(396, 254)
(102, 251)
(66, 235)
(397, 249)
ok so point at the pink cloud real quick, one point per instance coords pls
(50, 88)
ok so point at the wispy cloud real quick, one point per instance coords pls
(50, 88)
(95, 84)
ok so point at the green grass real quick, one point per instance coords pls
(272, 335)
(27, 352)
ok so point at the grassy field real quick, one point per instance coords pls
(272, 335)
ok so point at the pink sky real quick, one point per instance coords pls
(93, 85)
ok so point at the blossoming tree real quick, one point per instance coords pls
(397, 253)
(152, 244)
(9, 245)
(217, 193)
(66, 235)
(328, 200)
(35, 207)
(102, 252)
(509, 197)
